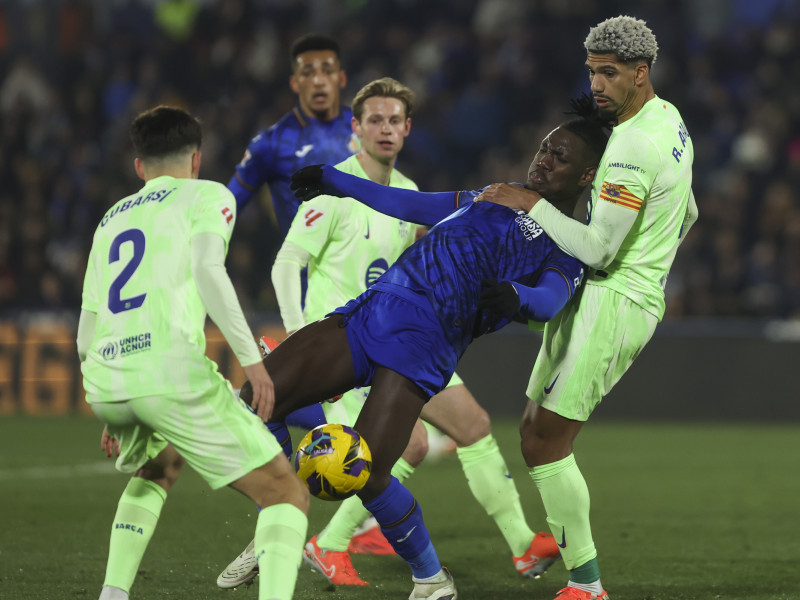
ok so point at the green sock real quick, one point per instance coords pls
(566, 501)
(344, 522)
(492, 486)
(137, 515)
(280, 536)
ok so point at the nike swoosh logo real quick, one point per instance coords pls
(405, 537)
(549, 389)
(304, 150)
(366, 237)
(563, 543)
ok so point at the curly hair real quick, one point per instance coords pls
(630, 39)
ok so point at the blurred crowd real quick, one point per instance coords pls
(491, 77)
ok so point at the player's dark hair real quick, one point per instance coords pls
(163, 131)
(589, 126)
(314, 41)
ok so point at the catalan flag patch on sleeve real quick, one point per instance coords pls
(619, 194)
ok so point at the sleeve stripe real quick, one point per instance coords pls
(566, 279)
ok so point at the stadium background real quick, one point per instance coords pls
(491, 76)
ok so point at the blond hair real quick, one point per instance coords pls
(628, 38)
(386, 87)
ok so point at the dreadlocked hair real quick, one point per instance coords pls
(593, 129)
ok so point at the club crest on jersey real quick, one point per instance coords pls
(228, 214)
(353, 144)
(375, 270)
(529, 228)
(311, 216)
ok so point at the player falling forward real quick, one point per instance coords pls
(155, 269)
(405, 334)
(348, 246)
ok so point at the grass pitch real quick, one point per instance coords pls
(680, 512)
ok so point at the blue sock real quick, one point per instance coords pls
(281, 433)
(400, 518)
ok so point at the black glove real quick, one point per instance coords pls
(307, 182)
(500, 298)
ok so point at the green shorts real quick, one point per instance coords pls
(346, 409)
(214, 431)
(586, 349)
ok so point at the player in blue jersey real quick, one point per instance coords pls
(405, 334)
(316, 130)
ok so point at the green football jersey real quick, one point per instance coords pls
(350, 244)
(149, 334)
(647, 168)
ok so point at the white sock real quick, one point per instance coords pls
(109, 592)
(439, 577)
(594, 588)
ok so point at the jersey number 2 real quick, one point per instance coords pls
(117, 304)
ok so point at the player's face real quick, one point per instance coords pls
(614, 85)
(317, 80)
(559, 171)
(383, 128)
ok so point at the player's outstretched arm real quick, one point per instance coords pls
(423, 208)
(539, 303)
(219, 297)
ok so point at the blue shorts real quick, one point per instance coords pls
(385, 330)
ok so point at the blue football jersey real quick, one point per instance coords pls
(446, 268)
(292, 143)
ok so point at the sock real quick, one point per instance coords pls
(595, 587)
(493, 487)
(566, 501)
(137, 515)
(281, 433)
(342, 526)
(280, 537)
(401, 522)
(109, 592)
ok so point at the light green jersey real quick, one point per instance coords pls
(647, 167)
(149, 333)
(350, 244)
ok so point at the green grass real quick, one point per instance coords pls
(680, 512)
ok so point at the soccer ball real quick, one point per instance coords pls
(334, 461)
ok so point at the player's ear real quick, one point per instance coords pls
(342, 79)
(197, 158)
(293, 84)
(588, 175)
(355, 126)
(139, 168)
(408, 126)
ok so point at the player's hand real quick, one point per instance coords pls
(263, 390)
(510, 195)
(108, 443)
(501, 298)
(307, 182)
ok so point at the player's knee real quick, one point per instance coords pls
(417, 448)
(479, 426)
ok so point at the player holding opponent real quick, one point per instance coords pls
(405, 334)
(642, 207)
(347, 247)
(155, 268)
